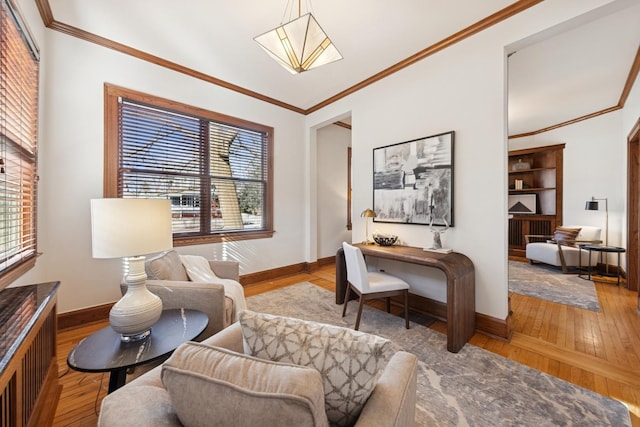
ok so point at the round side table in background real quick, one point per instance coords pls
(602, 249)
(103, 351)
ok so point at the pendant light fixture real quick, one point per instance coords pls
(299, 45)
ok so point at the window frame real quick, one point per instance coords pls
(25, 149)
(113, 93)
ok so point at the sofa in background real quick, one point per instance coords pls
(562, 248)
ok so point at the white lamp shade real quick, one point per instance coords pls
(299, 45)
(130, 227)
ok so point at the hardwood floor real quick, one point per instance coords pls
(599, 351)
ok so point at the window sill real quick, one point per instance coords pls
(221, 237)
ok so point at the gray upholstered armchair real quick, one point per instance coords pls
(168, 279)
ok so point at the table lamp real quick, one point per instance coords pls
(367, 213)
(130, 229)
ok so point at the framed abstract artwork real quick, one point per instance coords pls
(522, 204)
(413, 181)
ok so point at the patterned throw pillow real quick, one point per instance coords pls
(564, 234)
(349, 361)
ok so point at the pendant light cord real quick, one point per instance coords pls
(290, 9)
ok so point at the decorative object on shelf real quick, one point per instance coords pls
(522, 204)
(520, 165)
(366, 214)
(300, 44)
(413, 181)
(519, 184)
(130, 229)
(385, 239)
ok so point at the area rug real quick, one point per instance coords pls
(548, 283)
(470, 388)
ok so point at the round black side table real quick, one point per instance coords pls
(601, 249)
(103, 351)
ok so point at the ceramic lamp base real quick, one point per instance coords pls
(134, 314)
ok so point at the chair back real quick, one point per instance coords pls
(356, 267)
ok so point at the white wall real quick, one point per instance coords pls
(594, 151)
(333, 142)
(71, 166)
(462, 88)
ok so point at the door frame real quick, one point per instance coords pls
(633, 203)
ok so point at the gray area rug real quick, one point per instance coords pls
(548, 283)
(471, 388)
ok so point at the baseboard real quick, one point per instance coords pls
(487, 325)
(330, 260)
(100, 313)
(71, 319)
(275, 273)
(491, 326)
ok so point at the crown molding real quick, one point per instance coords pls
(50, 22)
(503, 14)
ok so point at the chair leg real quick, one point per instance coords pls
(359, 312)
(406, 308)
(346, 300)
(388, 304)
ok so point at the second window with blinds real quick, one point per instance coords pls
(215, 169)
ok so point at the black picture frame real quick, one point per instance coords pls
(413, 181)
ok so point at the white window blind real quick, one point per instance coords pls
(18, 143)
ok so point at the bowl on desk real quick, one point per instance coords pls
(385, 239)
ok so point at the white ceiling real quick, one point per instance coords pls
(576, 72)
(579, 68)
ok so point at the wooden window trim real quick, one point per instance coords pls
(112, 93)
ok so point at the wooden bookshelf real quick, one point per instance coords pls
(534, 172)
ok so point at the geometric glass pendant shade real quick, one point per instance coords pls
(299, 45)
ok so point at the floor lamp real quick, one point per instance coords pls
(593, 205)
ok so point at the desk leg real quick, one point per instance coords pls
(117, 379)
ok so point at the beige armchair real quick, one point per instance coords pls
(562, 248)
(168, 279)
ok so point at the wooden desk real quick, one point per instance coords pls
(461, 295)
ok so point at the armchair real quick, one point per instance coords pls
(146, 400)
(562, 248)
(168, 279)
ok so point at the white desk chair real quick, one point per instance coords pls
(371, 285)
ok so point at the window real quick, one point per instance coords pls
(18, 145)
(215, 169)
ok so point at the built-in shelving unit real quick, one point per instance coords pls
(536, 174)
